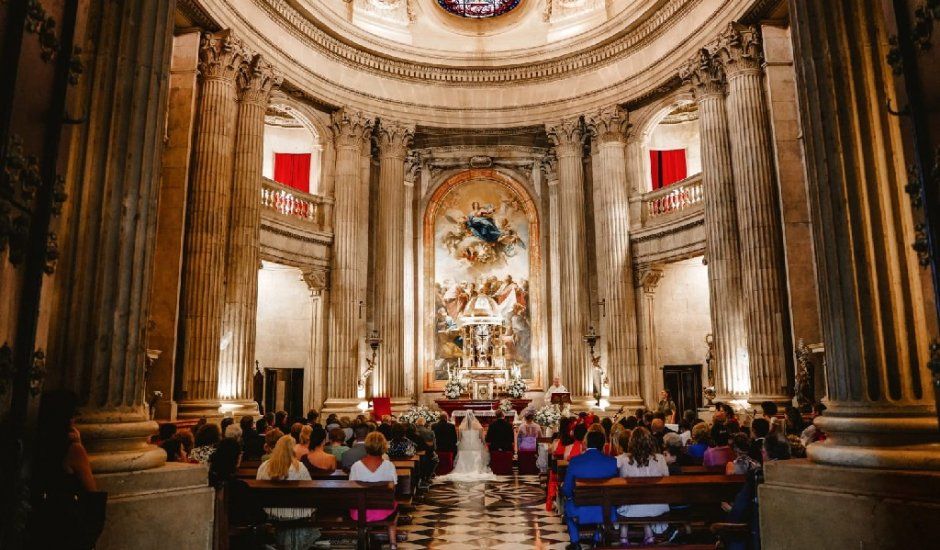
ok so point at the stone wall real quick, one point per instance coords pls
(681, 313)
(284, 318)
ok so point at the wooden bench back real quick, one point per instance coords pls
(323, 494)
(685, 489)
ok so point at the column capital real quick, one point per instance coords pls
(222, 56)
(317, 280)
(704, 75)
(550, 168)
(394, 138)
(566, 135)
(412, 168)
(609, 124)
(648, 278)
(350, 128)
(739, 49)
(258, 81)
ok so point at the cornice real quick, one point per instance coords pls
(590, 59)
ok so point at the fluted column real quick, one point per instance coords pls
(98, 335)
(877, 335)
(239, 324)
(393, 140)
(613, 213)
(550, 167)
(722, 246)
(764, 282)
(567, 138)
(348, 268)
(221, 59)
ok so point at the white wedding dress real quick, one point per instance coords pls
(473, 458)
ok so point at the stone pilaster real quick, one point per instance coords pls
(221, 59)
(346, 319)
(550, 167)
(613, 214)
(98, 335)
(707, 80)
(761, 244)
(573, 297)
(388, 377)
(652, 379)
(239, 324)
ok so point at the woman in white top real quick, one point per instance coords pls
(643, 460)
(374, 467)
(284, 466)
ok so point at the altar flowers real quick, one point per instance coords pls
(547, 416)
(419, 411)
(516, 387)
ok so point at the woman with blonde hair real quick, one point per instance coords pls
(303, 446)
(284, 466)
(375, 468)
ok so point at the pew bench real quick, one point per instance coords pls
(332, 499)
(704, 493)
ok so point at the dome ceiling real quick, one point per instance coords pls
(415, 61)
(478, 9)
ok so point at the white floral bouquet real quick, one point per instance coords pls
(453, 389)
(505, 405)
(420, 411)
(547, 416)
(516, 388)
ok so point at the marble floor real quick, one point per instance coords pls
(504, 514)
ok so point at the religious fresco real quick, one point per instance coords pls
(481, 248)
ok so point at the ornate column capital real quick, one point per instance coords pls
(258, 81)
(394, 138)
(648, 278)
(609, 124)
(566, 136)
(550, 168)
(351, 127)
(412, 168)
(317, 280)
(222, 56)
(704, 75)
(739, 49)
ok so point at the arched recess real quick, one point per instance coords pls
(670, 124)
(298, 128)
(451, 262)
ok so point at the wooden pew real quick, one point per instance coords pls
(706, 490)
(404, 490)
(332, 499)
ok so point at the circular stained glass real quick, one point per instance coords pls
(478, 9)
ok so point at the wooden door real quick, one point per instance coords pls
(684, 382)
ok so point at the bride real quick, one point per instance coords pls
(473, 459)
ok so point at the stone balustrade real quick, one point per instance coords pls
(292, 202)
(678, 197)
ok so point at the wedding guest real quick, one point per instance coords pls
(234, 431)
(643, 460)
(608, 448)
(164, 432)
(337, 446)
(270, 440)
(592, 464)
(224, 424)
(280, 421)
(313, 417)
(527, 435)
(562, 438)
(720, 453)
(577, 445)
(241, 508)
(174, 450)
(302, 447)
(499, 434)
(631, 423)
(445, 434)
(794, 421)
(769, 411)
(317, 460)
(666, 406)
(346, 425)
(283, 465)
(252, 441)
(385, 427)
(295, 429)
(400, 446)
(206, 439)
(674, 452)
(358, 448)
(262, 426)
(760, 427)
(699, 442)
(187, 441)
(61, 471)
(742, 463)
(332, 421)
(623, 446)
(270, 420)
(374, 468)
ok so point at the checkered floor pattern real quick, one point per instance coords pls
(504, 514)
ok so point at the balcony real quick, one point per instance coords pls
(296, 204)
(670, 224)
(680, 197)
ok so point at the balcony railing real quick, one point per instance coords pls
(294, 203)
(680, 196)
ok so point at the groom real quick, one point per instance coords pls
(499, 434)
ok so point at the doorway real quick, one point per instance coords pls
(684, 383)
(284, 391)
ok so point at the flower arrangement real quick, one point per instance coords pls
(505, 405)
(420, 411)
(453, 388)
(516, 388)
(547, 416)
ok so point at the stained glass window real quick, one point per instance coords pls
(478, 9)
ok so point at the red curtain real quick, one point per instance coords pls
(293, 170)
(667, 167)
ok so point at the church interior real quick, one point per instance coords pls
(416, 274)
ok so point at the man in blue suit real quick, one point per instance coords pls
(592, 464)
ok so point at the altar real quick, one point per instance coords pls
(485, 408)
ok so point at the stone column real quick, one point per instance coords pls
(567, 139)
(652, 379)
(393, 140)
(315, 375)
(345, 325)
(409, 282)
(99, 332)
(613, 214)
(239, 324)
(550, 166)
(764, 283)
(722, 247)
(222, 59)
(879, 464)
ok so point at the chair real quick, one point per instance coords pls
(501, 462)
(527, 463)
(446, 465)
(381, 406)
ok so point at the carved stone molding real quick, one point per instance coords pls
(704, 75)
(739, 49)
(648, 278)
(222, 56)
(567, 136)
(317, 280)
(609, 124)
(394, 138)
(351, 128)
(258, 80)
